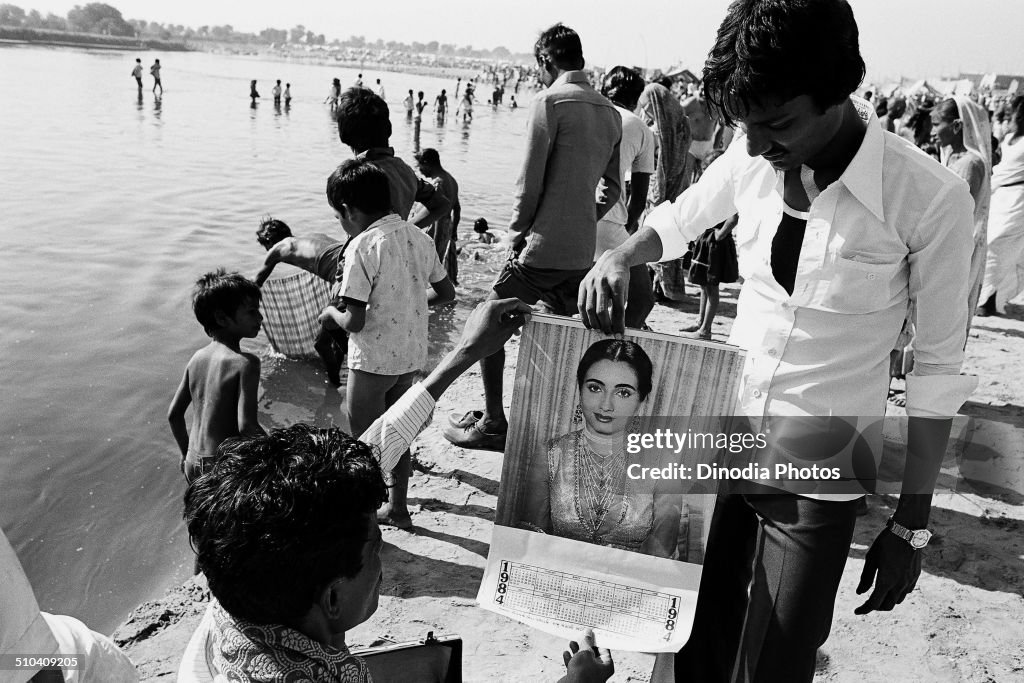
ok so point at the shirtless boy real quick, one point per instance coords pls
(220, 379)
(319, 254)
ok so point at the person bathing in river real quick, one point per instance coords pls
(320, 255)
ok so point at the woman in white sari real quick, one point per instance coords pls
(1004, 269)
(961, 129)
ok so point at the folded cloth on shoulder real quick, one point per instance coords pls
(225, 648)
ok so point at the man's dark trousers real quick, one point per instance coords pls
(790, 552)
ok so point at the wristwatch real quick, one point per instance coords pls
(917, 538)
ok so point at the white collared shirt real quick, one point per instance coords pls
(895, 227)
(389, 267)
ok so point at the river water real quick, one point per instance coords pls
(112, 205)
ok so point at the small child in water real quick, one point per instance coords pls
(252, 91)
(482, 234)
(220, 379)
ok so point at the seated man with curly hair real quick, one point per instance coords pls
(285, 530)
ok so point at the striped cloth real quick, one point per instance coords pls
(290, 309)
(393, 432)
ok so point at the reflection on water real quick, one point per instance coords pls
(107, 225)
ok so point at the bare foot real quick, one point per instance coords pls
(691, 328)
(388, 517)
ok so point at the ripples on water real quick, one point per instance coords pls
(112, 207)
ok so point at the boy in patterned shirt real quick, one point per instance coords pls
(389, 264)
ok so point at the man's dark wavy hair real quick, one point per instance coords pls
(780, 49)
(363, 119)
(623, 86)
(562, 46)
(280, 516)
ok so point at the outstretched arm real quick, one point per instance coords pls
(488, 327)
(278, 253)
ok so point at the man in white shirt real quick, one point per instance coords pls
(623, 86)
(841, 226)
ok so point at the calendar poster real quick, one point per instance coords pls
(577, 543)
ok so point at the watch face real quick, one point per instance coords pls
(920, 538)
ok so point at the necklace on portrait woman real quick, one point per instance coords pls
(600, 465)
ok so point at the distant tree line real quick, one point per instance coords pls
(100, 18)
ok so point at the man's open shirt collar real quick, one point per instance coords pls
(863, 176)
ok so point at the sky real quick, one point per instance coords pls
(913, 38)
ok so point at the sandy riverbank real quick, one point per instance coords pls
(963, 623)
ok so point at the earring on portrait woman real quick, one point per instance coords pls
(577, 416)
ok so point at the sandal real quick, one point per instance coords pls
(462, 421)
(897, 398)
(473, 436)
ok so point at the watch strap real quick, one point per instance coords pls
(905, 533)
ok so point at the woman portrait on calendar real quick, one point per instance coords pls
(588, 496)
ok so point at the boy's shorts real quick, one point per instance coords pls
(558, 289)
(197, 464)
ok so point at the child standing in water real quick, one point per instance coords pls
(220, 378)
(389, 266)
(421, 104)
(253, 95)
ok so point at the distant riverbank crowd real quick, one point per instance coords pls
(854, 247)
